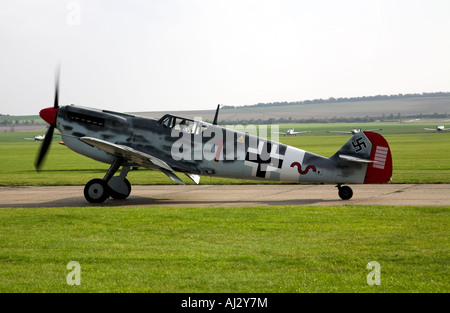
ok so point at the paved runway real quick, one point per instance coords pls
(232, 195)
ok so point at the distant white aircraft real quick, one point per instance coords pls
(292, 132)
(39, 137)
(438, 128)
(36, 138)
(353, 131)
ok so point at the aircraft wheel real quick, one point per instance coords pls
(345, 192)
(96, 191)
(119, 188)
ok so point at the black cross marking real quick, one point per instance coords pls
(358, 143)
(263, 158)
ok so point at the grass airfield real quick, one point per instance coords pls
(254, 249)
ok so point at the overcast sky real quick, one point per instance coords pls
(156, 55)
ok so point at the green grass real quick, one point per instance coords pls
(274, 249)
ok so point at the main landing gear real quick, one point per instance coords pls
(116, 187)
(344, 192)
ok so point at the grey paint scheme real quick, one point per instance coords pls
(147, 142)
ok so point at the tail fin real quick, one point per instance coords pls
(370, 148)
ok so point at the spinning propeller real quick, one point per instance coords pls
(49, 115)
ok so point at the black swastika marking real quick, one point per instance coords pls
(358, 144)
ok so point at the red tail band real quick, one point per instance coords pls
(380, 170)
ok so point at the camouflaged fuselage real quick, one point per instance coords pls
(206, 149)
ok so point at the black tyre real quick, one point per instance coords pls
(345, 192)
(96, 191)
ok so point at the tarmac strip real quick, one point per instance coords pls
(233, 196)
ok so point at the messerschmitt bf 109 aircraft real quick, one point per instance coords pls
(175, 144)
(439, 128)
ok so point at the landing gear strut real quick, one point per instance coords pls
(344, 192)
(116, 187)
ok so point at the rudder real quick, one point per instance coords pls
(380, 169)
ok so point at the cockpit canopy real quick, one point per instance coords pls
(183, 124)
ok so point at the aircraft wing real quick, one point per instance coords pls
(138, 157)
(429, 129)
(302, 132)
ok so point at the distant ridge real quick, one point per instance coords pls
(355, 109)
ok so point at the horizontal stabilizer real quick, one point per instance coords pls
(354, 159)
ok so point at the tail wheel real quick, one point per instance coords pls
(96, 191)
(345, 192)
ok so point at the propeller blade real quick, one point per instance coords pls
(56, 103)
(44, 147)
(49, 115)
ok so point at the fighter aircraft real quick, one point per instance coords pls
(126, 140)
(291, 132)
(353, 131)
(438, 128)
(36, 138)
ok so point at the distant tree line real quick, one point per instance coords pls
(352, 99)
(9, 122)
(366, 119)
